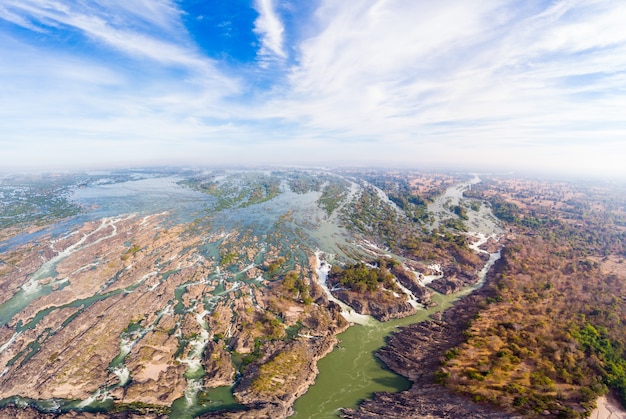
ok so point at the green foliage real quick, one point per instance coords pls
(131, 251)
(301, 182)
(540, 380)
(228, 259)
(141, 408)
(461, 212)
(360, 277)
(253, 356)
(275, 375)
(550, 331)
(332, 195)
(271, 327)
(289, 281)
(473, 374)
(399, 192)
(35, 202)
(377, 219)
(506, 211)
(451, 354)
(295, 285)
(612, 364)
(274, 267)
(509, 212)
(441, 377)
(455, 224)
(239, 190)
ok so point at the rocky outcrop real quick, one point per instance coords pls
(426, 402)
(492, 245)
(378, 305)
(410, 281)
(218, 365)
(32, 413)
(109, 275)
(270, 386)
(415, 352)
(254, 411)
(446, 285)
(454, 279)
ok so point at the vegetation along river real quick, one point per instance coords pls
(282, 226)
(351, 372)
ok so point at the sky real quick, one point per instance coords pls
(486, 84)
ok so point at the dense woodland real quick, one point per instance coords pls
(360, 277)
(550, 337)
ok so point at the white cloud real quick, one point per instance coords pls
(269, 28)
(70, 106)
(139, 29)
(17, 19)
(490, 75)
(396, 80)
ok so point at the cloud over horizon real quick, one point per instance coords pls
(513, 84)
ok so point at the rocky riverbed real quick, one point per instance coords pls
(415, 352)
(223, 315)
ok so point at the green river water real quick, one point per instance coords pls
(349, 374)
(352, 373)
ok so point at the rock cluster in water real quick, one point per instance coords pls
(142, 315)
(415, 352)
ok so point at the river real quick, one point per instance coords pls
(347, 375)
(351, 372)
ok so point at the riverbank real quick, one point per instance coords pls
(415, 353)
(608, 408)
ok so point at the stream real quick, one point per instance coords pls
(351, 372)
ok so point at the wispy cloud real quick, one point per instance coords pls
(520, 83)
(437, 78)
(139, 29)
(137, 79)
(269, 28)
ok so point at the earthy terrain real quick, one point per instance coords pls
(135, 263)
(545, 335)
(220, 309)
(415, 352)
(146, 314)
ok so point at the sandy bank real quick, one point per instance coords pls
(608, 408)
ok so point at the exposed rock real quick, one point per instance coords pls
(428, 401)
(492, 245)
(254, 411)
(132, 292)
(14, 412)
(218, 365)
(415, 352)
(446, 285)
(463, 274)
(410, 281)
(382, 309)
(270, 386)
(102, 263)
(455, 278)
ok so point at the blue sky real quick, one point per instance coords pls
(496, 84)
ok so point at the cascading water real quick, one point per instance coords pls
(351, 373)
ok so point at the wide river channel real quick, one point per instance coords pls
(351, 372)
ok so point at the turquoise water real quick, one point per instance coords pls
(291, 222)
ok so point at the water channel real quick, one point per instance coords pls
(347, 375)
(351, 372)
